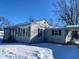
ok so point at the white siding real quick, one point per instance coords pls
(34, 33)
(55, 38)
(23, 37)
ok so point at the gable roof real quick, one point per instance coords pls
(26, 23)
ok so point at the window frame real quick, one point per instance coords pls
(56, 32)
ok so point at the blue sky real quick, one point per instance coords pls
(19, 11)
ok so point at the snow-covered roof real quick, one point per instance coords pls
(53, 27)
(73, 26)
(65, 27)
(18, 25)
(25, 23)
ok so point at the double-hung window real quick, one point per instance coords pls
(56, 32)
(23, 31)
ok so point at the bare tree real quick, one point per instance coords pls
(69, 11)
(4, 22)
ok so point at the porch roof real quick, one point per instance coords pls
(65, 27)
(73, 26)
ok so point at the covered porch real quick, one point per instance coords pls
(73, 35)
(9, 34)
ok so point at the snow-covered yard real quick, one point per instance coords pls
(15, 51)
(62, 51)
(38, 51)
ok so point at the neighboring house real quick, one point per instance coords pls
(32, 32)
(40, 31)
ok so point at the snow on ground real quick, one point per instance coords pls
(15, 51)
(62, 51)
(38, 51)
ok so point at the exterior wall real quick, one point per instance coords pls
(37, 27)
(34, 34)
(23, 37)
(55, 38)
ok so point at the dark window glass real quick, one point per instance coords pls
(52, 32)
(56, 32)
(23, 31)
(26, 34)
(18, 31)
(59, 32)
(75, 34)
(39, 32)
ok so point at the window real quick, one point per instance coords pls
(59, 32)
(39, 32)
(18, 31)
(23, 31)
(27, 33)
(52, 32)
(56, 32)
